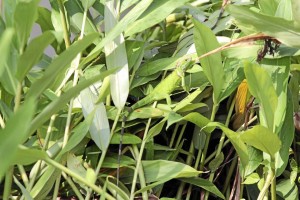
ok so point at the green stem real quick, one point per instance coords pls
(174, 135)
(273, 186)
(64, 23)
(141, 173)
(97, 189)
(203, 157)
(138, 162)
(268, 182)
(56, 188)
(73, 186)
(8, 183)
(229, 174)
(23, 175)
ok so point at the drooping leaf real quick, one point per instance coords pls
(205, 184)
(161, 171)
(26, 156)
(252, 22)
(236, 141)
(287, 190)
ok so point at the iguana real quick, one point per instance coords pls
(164, 89)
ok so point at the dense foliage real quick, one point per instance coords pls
(150, 99)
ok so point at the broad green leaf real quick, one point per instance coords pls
(269, 144)
(133, 14)
(255, 159)
(284, 10)
(15, 133)
(156, 13)
(145, 113)
(75, 165)
(99, 128)
(236, 141)
(296, 12)
(111, 161)
(252, 178)
(279, 70)
(44, 19)
(216, 162)
(205, 184)
(59, 65)
(161, 171)
(27, 156)
(126, 139)
(155, 130)
(286, 135)
(135, 51)
(33, 53)
(61, 102)
(205, 41)
(283, 30)
(287, 190)
(87, 3)
(116, 56)
(268, 7)
(24, 17)
(261, 87)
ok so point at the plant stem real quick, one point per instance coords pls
(8, 183)
(141, 173)
(73, 186)
(64, 23)
(78, 177)
(23, 175)
(56, 188)
(229, 174)
(268, 182)
(203, 157)
(138, 162)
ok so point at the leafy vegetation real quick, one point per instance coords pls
(150, 99)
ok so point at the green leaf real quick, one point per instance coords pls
(269, 144)
(156, 13)
(236, 141)
(27, 156)
(283, 30)
(25, 192)
(15, 133)
(5, 45)
(216, 162)
(261, 87)
(255, 159)
(287, 190)
(44, 19)
(126, 139)
(60, 102)
(251, 179)
(87, 3)
(284, 10)
(161, 171)
(205, 184)
(24, 17)
(286, 135)
(33, 53)
(145, 113)
(268, 7)
(205, 41)
(59, 65)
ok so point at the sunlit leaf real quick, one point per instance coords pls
(270, 143)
